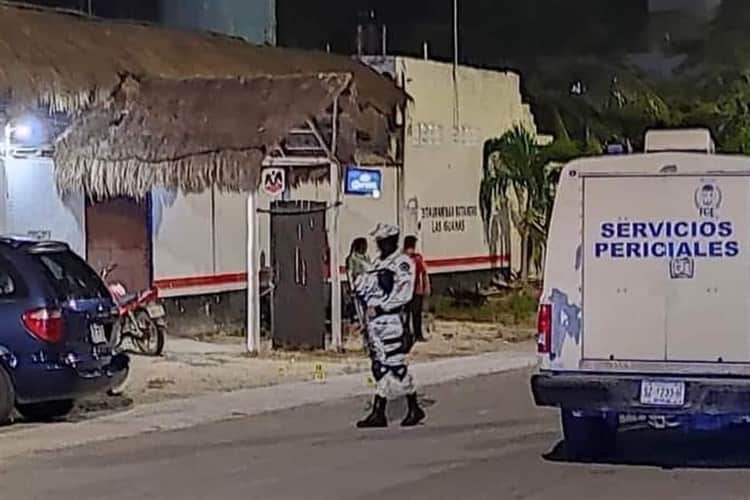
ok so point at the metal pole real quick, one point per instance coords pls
(8, 138)
(384, 40)
(456, 116)
(271, 28)
(337, 341)
(253, 274)
(90, 10)
(455, 34)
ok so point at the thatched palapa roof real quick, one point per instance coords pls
(157, 106)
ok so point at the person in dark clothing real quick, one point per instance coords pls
(422, 288)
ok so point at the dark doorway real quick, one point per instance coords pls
(117, 232)
(298, 245)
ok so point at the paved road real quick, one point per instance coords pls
(484, 440)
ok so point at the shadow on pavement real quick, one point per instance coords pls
(726, 449)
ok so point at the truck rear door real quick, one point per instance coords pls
(666, 269)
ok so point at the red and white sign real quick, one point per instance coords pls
(273, 181)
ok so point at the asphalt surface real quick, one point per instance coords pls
(484, 440)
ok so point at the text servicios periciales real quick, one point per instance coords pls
(667, 239)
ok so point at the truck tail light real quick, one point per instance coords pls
(544, 329)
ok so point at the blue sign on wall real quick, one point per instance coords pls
(363, 182)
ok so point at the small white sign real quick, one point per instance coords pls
(40, 234)
(273, 181)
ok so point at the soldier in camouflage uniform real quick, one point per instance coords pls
(386, 290)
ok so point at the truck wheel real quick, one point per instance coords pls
(7, 397)
(588, 437)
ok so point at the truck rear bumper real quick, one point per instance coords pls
(621, 394)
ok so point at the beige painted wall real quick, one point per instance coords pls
(190, 248)
(443, 170)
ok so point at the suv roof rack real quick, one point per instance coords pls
(33, 245)
(47, 247)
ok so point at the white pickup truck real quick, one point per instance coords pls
(646, 303)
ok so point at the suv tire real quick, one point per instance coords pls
(47, 411)
(7, 397)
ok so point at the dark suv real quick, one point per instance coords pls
(56, 322)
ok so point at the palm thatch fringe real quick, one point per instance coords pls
(158, 107)
(71, 62)
(194, 174)
(189, 134)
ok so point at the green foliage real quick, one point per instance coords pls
(711, 89)
(518, 190)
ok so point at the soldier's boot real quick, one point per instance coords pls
(415, 414)
(376, 418)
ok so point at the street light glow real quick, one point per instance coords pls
(22, 131)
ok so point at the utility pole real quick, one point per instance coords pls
(455, 34)
(456, 113)
(90, 8)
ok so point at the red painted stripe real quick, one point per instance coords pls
(198, 281)
(468, 261)
(236, 278)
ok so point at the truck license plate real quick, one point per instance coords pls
(655, 393)
(98, 334)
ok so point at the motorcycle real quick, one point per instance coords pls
(142, 317)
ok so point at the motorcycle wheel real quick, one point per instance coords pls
(153, 336)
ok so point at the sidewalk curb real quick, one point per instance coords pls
(211, 408)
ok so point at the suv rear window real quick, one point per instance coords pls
(71, 277)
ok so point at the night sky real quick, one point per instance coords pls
(494, 33)
(147, 10)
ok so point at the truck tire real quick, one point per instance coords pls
(588, 437)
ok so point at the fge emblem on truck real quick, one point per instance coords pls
(645, 310)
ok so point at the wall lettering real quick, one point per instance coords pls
(449, 218)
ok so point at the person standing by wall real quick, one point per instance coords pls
(422, 288)
(357, 264)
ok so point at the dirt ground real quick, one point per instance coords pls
(188, 370)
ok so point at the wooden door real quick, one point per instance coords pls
(298, 246)
(117, 231)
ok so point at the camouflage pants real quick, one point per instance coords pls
(388, 351)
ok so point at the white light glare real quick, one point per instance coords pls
(22, 131)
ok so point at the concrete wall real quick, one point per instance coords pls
(200, 240)
(30, 204)
(443, 169)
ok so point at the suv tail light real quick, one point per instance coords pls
(44, 324)
(544, 329)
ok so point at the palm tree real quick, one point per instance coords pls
(516, 189)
